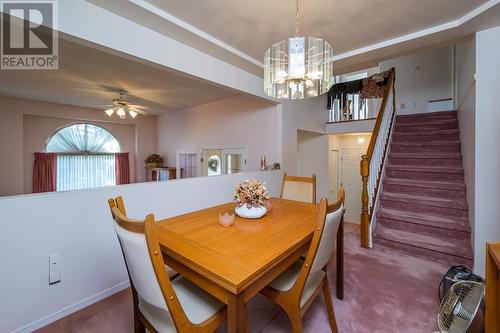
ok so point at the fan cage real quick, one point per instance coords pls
(460, 306)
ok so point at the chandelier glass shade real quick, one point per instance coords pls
(298, 67)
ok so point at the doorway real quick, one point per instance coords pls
(334, 173)
(351, 180)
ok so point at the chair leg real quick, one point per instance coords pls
(327, 295)
(295, 320)
(138, 325)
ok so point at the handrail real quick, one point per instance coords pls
(372, 163)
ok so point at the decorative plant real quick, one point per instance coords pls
(253, 193)
(154, 158)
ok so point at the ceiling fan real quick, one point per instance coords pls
(121, 106)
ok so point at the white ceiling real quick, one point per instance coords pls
(252, 26)
(90, 77)
(362, 32)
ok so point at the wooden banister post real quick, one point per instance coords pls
(365, 217)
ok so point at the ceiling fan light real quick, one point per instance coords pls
(121, 113)
(110, 112)
(132, 113)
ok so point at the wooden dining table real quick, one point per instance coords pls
(234, 263)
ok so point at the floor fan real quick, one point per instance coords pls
(462, 308)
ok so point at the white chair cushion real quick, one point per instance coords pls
(287, 279)
(196, 303)
(158, 318)
(139, 265)
(297, 191)
(328, 239)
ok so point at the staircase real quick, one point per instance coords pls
(423, 209)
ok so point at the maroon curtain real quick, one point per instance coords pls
(122, 168)
(45, 172)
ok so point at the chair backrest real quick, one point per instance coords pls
(182, 323)
(135, 251)
(334, 213)
(299, 188)
(323, 240)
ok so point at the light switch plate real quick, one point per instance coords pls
(54, 269)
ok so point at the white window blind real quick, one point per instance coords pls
(76, 172)
(85, 157)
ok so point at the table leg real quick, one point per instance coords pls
(340, 260)
(237, 314)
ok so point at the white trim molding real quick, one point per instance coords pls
(72, 308)
(421, 33)
(172, 19)
(365, 49)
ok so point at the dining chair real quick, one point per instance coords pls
(296, 288)
(298, 188)
(138, 225)
(160, 304)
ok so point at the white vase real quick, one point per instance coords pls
(250, 212)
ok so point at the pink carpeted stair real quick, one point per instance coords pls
(423, 209)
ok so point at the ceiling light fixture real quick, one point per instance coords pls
(110, 112)
(294, 69)
(122, 107)
(121, 113)
(132, 113)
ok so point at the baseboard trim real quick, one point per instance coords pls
(72, 308)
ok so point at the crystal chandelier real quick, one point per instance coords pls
(298, 68)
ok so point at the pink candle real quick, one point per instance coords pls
(226, 220)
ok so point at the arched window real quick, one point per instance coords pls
(85, 156)
(82, 138)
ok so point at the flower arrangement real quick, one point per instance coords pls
(253, 193)
(154, 160)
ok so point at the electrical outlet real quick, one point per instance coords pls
(54, 269)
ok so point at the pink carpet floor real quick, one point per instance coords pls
(385, 292)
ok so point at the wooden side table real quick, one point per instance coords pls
(160, 173)
(493, 288)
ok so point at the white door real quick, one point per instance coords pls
(351, 180)
(187, 164)
(334, 174)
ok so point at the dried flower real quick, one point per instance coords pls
(154, 158)
(252, 193)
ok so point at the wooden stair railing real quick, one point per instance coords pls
(372, 164)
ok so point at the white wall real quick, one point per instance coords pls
(421, 77)
(465, 91)
(312, 157)
(487, 189)
(307, 115)
(236, 122)
(77, 225)
(351, 126)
